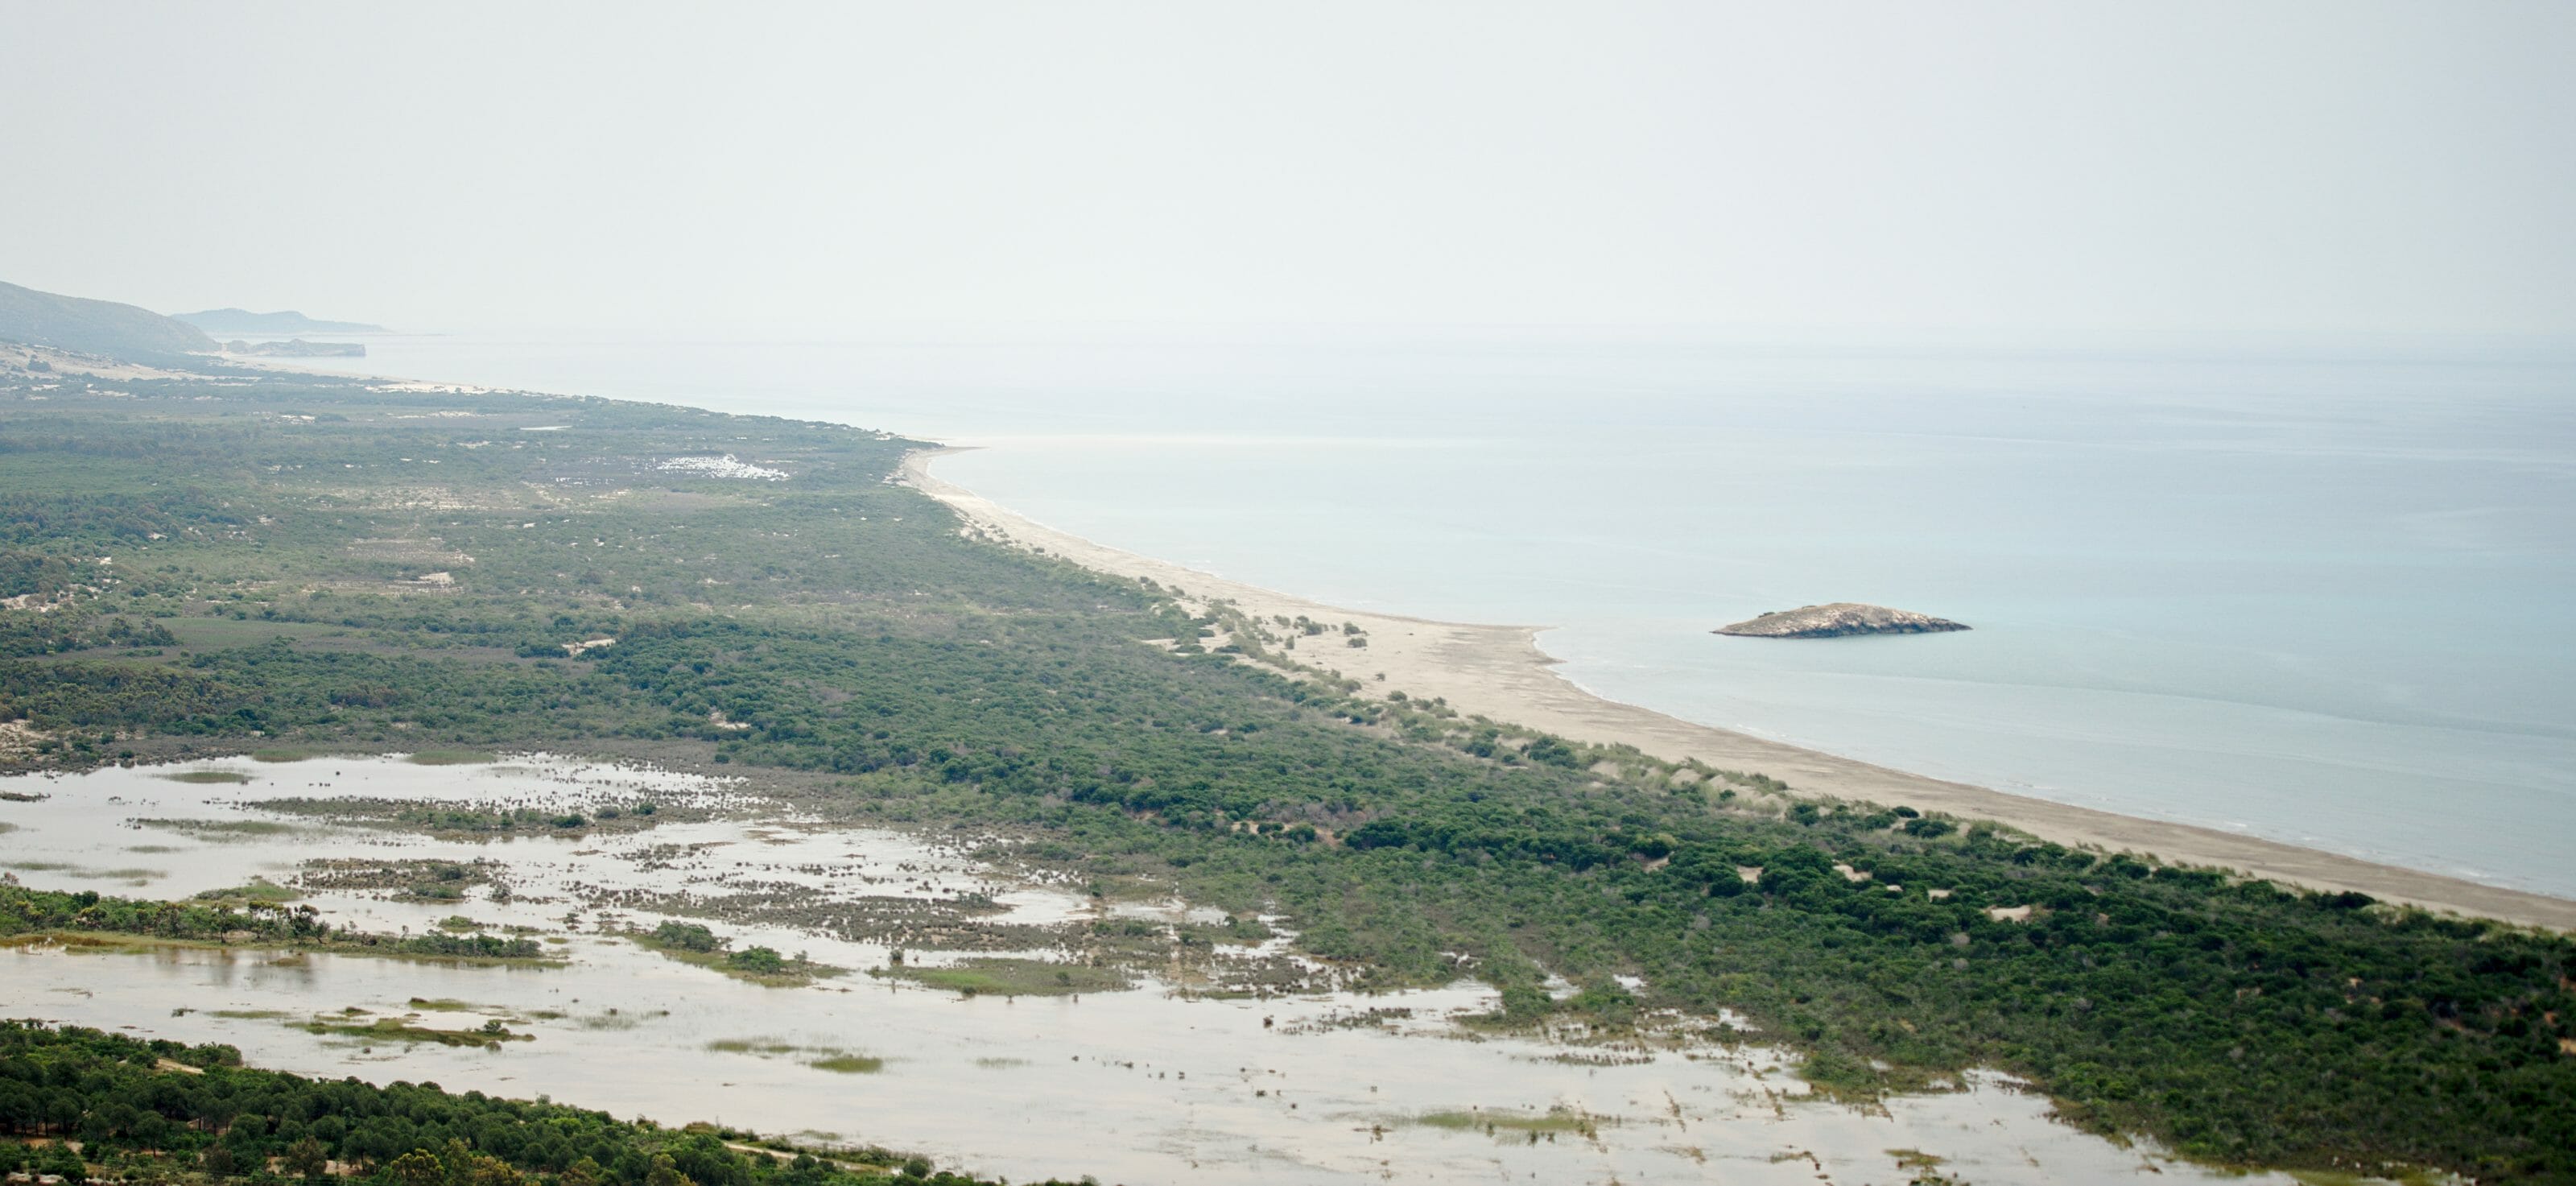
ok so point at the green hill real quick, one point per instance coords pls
(95, 327)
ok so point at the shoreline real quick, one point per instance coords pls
(1499, 672)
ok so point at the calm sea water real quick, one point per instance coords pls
(2317, 595)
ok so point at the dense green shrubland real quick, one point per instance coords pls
(838, 626)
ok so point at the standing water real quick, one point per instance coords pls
(1151, 1084)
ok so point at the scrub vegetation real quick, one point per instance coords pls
(339, 567)
(245, 918)
(691, 943)
(395, 1030)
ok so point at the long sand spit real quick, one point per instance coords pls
(1499, 672)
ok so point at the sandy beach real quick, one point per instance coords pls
(1499, 672)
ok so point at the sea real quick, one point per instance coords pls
(2320, 592)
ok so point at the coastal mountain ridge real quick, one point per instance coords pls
(286, 321)
(82, 325)
(1836, 620)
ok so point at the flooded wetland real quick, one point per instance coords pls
(705, 951)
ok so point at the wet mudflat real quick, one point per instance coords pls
(1178, 1079)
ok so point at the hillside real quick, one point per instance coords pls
(243, 321)
(94, 327)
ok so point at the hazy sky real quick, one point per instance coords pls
(2335, 166)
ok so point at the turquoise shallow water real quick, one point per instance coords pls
(2315, 595)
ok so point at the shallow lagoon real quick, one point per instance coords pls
(1151, 1085)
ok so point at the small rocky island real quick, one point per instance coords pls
(1838, 619)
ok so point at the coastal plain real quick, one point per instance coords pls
(1132, 792)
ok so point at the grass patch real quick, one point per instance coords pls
(451, 757)
(205, 777)
(692, 944)
(257, 889)
(220, 827)
(83, 873)
(394, 1029)
(442, 1005)
(102, 942)
(839, 1062)
(250, 1014)
(1001, 1064)
(1554, 1120)
(1012, 978)
(750, 1046)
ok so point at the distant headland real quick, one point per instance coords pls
(298, 348)
(128, 333)
(1836, 620)
(243, 321)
